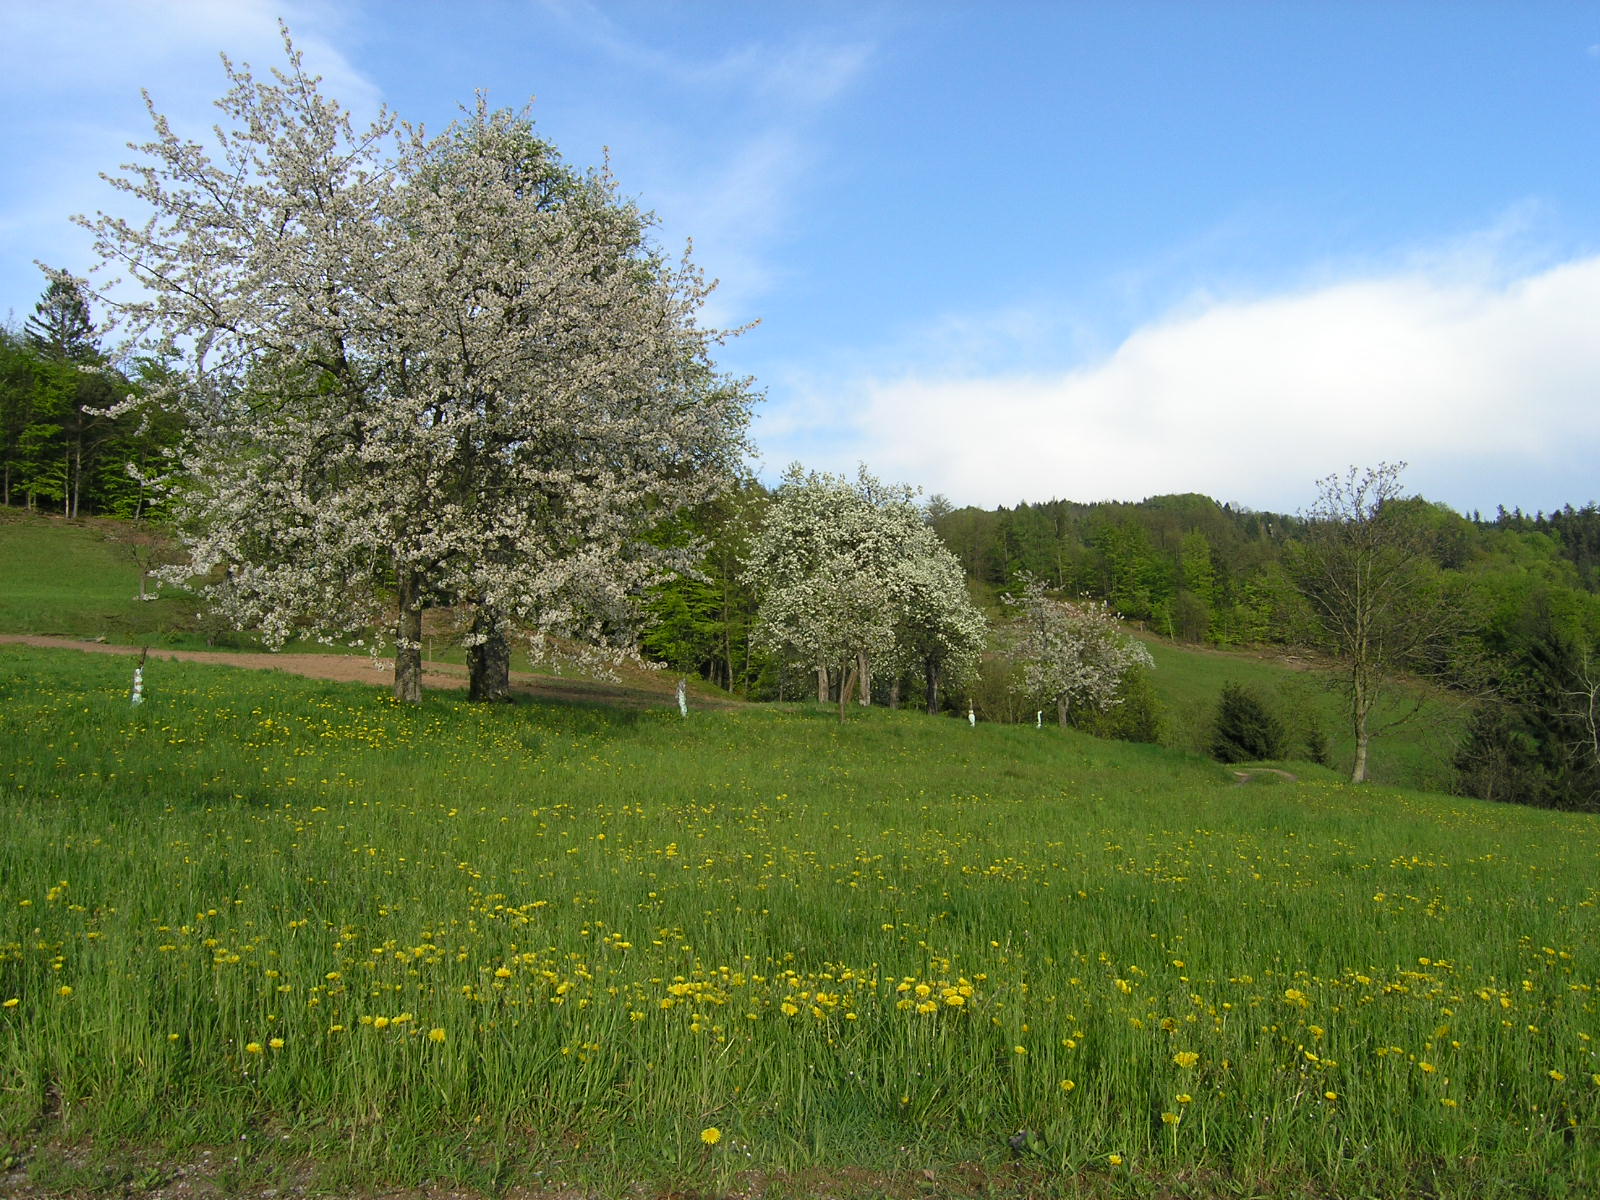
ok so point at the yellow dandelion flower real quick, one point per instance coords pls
(1557, 1076)
(788, 1008)
(711, 1135)
(1067, 1085)
(436, 1035)
(65, 990)
(1330, 1095)
(1185, 1098)
(380, 1022)
(1186, 1058)
(13, 1002)
(1170, 1118)
(1114, 1159)
(1447, 1102)
(1427, 1067)
(1019, 1049)
(275, 1043)
(252, 1047)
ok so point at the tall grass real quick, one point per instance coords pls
(554, 944)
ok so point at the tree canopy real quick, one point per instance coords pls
(426, 371)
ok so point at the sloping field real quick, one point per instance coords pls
(280, 934)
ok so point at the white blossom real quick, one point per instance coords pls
(851, 574)
(427, 371)
(1071, 653)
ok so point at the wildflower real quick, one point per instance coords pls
(1185, 1098)
(13, 1002)
(711, 1135)
(275, 1043)
(1330, 1095)
(380, 1022)
(252, 1047)
(1186, 1058)
(1557, 1076)
(436, 1035)
(1428, 1067)
(1019, 1049)
(1067, 1085)
(1114, 1159)
(1170, 1118)
(1447, 1102)
(65, 990)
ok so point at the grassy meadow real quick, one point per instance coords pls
(561, 947)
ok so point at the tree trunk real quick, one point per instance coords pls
(864, 677)
(408, 640)
(931, 673)
(822, 685)
(845, 686)
(894, 692)
(1061, 712)
(488, 658)
(1361, 698)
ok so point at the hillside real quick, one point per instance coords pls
(76, 579)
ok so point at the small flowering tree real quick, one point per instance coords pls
(850, 573)
(1071, 653)
(426, 371)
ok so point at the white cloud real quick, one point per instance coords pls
(1487, 387)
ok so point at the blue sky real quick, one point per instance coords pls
(1005, 251)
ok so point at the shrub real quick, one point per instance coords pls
(1244, 730)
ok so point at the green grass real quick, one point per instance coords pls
(70, 578)
(856, 952)
(1416, 754)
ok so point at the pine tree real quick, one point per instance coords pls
(1244, 730)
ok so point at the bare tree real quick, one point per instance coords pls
(1371, 590)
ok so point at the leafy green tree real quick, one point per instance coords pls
(1537, 740)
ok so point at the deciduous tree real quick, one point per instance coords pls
(430, 370)
(1071, 653)
(1372, 592)
(850, 574)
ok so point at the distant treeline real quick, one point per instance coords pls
(1195, 570)
(63, 446)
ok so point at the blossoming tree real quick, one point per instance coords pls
(429, 371)
(850, 575)
(1070, 653)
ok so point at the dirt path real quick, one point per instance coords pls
(1243, 777)
(636, 689)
